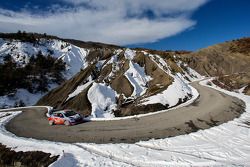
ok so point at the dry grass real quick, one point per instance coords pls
(174, 67)
(160, 78)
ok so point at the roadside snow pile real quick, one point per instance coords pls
(177, 91)
(103, 100)
(138, 79)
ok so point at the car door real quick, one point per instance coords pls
(59, 119)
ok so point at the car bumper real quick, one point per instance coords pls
(76, 122)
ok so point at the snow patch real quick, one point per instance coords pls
(129, 54)
(22, 95)
(138, 79)
(73, 56)
(79, 89)
(103, 100)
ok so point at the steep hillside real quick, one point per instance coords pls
(222, 59)
(229, 58)
(124, 82)
(239, 82)
(24, 55)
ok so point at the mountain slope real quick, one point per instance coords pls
(229, 58)
(20, 52)
(101, 80)
(124, 82)
(225, 58)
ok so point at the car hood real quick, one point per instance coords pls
(77, 116)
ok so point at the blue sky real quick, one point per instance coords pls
(158, 24)
(217, 21)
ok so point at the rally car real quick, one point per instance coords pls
(65, 117)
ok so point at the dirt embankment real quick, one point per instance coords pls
(234, 82)
(10, 158)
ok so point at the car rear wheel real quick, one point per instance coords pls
(51, 122)
(67, 123)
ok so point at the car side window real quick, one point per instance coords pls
(60, 115)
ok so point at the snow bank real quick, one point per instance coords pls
(102, 99)
(190, 101)
(178, 89)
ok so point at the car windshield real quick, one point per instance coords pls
(70, 113)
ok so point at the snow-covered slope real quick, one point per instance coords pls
(73, 56)
(21, 52)
(138, 79)
(123, 83)
(112, 82)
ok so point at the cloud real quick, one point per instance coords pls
(119, 22)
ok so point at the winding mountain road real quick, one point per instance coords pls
(211, 109)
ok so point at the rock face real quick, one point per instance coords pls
(10, 158)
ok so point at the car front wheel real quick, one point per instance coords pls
(67, 123)
(51, 122)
